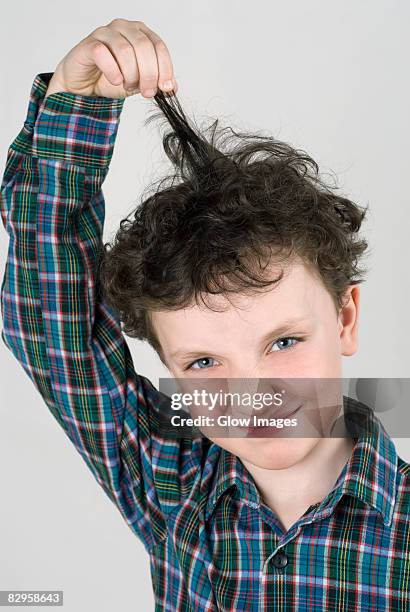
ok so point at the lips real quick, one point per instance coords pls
(289, 412)
(269, 411)
(282, 412)
(255, 431)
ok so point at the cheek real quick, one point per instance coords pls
(321, 354)
(317, 357)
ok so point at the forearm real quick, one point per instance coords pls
(53, 210)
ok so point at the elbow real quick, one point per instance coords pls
(10, 343)
(6, 339)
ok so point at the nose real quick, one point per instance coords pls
(245, 373)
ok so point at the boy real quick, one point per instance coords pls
(216, 272)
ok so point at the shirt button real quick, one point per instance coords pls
(280, 560)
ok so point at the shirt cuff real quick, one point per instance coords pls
(70, 127)
(23, 141)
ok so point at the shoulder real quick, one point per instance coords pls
(403, 469)
(403, 486)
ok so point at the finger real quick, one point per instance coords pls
(123, 52)
(166, 78)
(146, 59)
(98, 53)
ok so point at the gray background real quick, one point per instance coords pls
(328, 77)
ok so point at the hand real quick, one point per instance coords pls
(115, 61)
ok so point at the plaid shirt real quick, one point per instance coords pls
(213, 543)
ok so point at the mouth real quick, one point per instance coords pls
(277, 412)
(269, 431)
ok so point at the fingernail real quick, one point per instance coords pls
(168, 85)
(149, 93)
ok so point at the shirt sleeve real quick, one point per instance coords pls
(63, 334)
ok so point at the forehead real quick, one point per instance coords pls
(298, 294)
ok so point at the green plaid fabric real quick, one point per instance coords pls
(212, 542)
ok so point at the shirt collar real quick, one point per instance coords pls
(229, 472)
(369, 475)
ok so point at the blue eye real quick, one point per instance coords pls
(284, 340)
(201, 363)
(205, 359)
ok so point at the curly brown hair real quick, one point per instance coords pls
(233, 202)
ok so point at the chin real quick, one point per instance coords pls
(275, 454)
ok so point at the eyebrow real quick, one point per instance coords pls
(277, 333)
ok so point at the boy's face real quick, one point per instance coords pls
(256, 337)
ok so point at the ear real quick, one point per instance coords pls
(349, 321)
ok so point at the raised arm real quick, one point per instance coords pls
(65, 337)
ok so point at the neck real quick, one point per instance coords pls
(290, 491)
